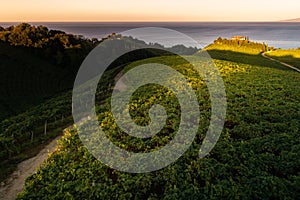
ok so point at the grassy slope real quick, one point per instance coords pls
(237, 49)
(256, 156)
(291, 57)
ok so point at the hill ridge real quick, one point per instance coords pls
(291, 20)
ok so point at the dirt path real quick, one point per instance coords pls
(15, 183)
(121, 85)
(283, 63)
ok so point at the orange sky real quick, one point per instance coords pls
(142, 10)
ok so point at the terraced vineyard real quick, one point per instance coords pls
(256, 157)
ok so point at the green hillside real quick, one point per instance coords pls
(23, 135)
(256, 157)
(238, 46)
(36, 64)
(27, 79)
(291, 56)
(36, 77)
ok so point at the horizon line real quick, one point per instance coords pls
(92, 21)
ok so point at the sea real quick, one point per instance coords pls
(285, 35)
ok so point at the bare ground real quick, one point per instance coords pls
(15, 182)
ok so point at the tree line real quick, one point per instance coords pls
(57, 47)
(243, 43)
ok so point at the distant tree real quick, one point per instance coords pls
(242, 44)
(10, 28)
(183, 50)
(4, 36)
(219, 40)
(94, 40)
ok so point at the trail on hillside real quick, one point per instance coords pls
(15, 182)
(283, 63)
(121, 85)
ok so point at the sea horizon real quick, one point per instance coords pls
(277, 34)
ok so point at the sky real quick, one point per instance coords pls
(147, 10)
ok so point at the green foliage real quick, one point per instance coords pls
(27, 80)
(245, 58)
(290, 56)
(55, 113)
(242, 46)
(37, 63)
(256, 157)
(27, 130)
(56, 47)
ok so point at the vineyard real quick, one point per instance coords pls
(256, 157)
(38, 68)
(22, 132)
(28, 130)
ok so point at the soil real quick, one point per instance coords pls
(15, 182)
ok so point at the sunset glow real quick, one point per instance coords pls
(155, 10)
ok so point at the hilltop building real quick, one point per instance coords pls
(240, 38)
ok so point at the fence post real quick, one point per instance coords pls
(45, 130)
(31, 136)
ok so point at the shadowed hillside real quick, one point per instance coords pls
(35, 64)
